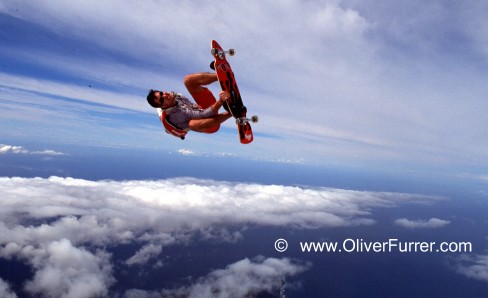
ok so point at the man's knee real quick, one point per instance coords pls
(193, 83)
(189, 81)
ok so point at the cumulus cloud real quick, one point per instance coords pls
(474, 266)
(416, 224)
(62, 226)
(5, 291)
(4, 149)
(63, 270)
(245, 278)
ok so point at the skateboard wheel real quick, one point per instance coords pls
(240, 121)
(212, 65)
(214, 51)
(232, 52)
(254, 119)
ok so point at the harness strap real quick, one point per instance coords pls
(169, 127)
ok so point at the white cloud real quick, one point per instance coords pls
(186, 152)
(4, 149)
(145, 254)
(245, 278)
(5, 291)
(273, 159)
(63, 270)
(60, 225)
(474, 266)
(416, 224)
(209, 202)
(48, 152)
(190, 152)
(12, 149)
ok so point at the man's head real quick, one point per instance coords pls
(160, 99)
(153, 98)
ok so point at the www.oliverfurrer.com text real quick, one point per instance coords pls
(391, 245)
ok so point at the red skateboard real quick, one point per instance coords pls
(228, 83)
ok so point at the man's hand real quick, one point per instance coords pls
(224, 96)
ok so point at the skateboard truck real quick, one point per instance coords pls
(221, 53)
(244, 120)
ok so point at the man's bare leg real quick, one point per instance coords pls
(195, 82)
(203, 125)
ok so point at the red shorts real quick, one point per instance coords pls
(205, 99)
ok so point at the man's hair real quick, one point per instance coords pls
(150, 98)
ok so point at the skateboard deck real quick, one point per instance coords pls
(228, 83)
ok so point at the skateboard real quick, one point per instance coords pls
(234, 106)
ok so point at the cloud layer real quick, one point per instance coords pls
(60, 226)
(420, 223)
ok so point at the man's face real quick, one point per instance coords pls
(164, 99)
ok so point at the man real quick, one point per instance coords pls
(179, 115)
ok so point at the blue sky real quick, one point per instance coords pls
(350, 83)
(373, 124)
